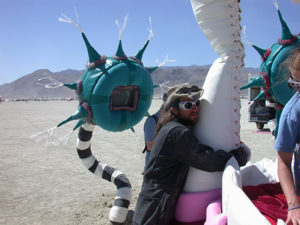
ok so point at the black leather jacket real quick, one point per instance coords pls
(175, 149)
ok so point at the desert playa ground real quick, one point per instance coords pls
(50, 185)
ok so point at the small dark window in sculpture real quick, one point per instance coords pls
(124, 98)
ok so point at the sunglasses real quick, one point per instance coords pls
(293, 83)
(188, 105)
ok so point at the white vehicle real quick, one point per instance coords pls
(260, 111)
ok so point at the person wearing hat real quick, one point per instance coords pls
(149, 129)
(174, 150)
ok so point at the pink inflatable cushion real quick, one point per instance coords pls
(191, 207)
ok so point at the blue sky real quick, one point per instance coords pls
(32, 38)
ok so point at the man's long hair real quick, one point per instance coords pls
(167, 117)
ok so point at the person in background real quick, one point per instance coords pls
(174, 150)
(287, 145)
(149, 129)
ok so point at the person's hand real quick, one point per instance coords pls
(293, 217)
(241, 155)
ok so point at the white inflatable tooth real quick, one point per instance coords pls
(219, 123)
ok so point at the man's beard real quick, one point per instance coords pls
(186, 121)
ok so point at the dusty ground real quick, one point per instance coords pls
(50, 185)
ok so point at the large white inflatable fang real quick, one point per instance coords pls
(219, 123)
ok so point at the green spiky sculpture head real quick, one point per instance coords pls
(274, 70)
(115, 92)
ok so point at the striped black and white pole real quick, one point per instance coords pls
(119, 210)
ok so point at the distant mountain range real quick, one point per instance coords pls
(29, 86)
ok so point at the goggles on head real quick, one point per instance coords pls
(188, 90)
(292, 83)
(188, 105)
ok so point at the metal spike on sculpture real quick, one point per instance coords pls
(274, 71)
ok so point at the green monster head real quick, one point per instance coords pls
(274, 69)
(114, 92)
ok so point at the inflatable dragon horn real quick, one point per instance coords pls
(115, 92)
(220, 22)
(274, 70)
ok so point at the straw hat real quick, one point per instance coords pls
(182, 90)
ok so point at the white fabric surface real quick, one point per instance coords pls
(219, 123)
(236, 205)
